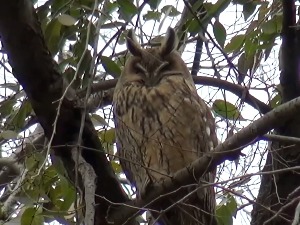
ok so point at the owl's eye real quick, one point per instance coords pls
(165, 66)
(162, 68)
(139, 82)
(140, 69)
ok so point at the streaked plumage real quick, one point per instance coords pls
(162, 125)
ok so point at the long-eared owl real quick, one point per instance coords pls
(162, 125)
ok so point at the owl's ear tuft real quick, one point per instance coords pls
(170, 42)
(132, 44)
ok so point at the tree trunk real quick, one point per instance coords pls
(37, 72)
(278, 190)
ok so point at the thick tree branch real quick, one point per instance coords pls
(289, 78)
(228, 150)
(34, 68)
(274, 190)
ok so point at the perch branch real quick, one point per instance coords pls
(228, 150)
(238, 90)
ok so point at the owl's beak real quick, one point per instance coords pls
(155, 79)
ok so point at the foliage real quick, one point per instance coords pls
(86, 38)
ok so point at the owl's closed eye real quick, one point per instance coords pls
(162, 126)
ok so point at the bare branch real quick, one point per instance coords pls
(89, 180)
(236, 89)
(281, 138)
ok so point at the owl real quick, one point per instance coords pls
(162, 126)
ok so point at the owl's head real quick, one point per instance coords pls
(150, 66)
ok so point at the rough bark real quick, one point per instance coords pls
(278, 190)
(34, 68)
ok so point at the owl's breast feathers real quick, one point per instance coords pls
(162, 125)
(164, 128)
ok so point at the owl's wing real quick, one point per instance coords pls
(128, 137)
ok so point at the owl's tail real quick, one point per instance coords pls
(193, 205)
(197, 209)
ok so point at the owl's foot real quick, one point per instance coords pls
(146, 188)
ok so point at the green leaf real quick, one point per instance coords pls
(248, 9)
(75, 12)
(269, 27)
(262, 12)
(34, 161)
(78, 50)
(278, 21)
(127, 9)
(70, 32)
(220, 33)
(43, 12)
(116, 166)
(6, 107)
(49, 177)
(151, 15)
(83, 33)
(62, 194)
(232, 205)
(154, 4)
(226, 210)
(235, 43)
(85, 63)
(19, 119)
(32, 216)
(251, 46)
(252, 27)
(194, 27)
(276, 101)
(66, 20)
(242, 66)
(223, 215)
(58, 6)
(170, 10)
(87, 3)
(98, 120)
(111, 6)
(214, 10)
(226, 110)
(8, 134)
(52, 36)
(110, 66)
(108, 136)
(68, 197)
(266, 38)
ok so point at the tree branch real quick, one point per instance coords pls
(228, 150)
(33, 66)
(289, 78)
(236, 89)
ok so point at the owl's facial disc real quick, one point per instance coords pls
(147, 77)
(154, 76)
